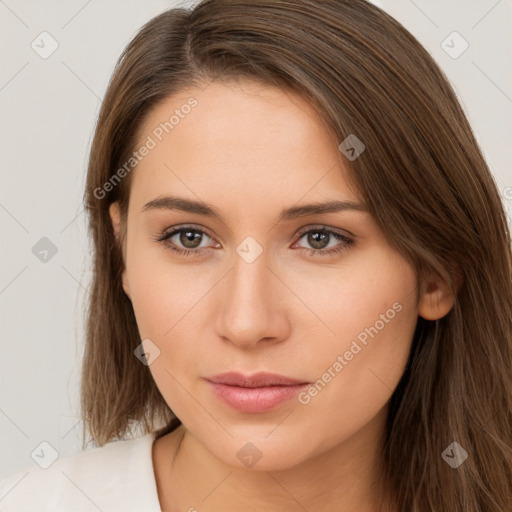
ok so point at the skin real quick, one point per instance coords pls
(287, 312)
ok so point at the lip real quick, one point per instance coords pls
(256, 393)
(256, 380)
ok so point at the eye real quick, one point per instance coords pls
(320, 239)
(188, 241)
(184, 240)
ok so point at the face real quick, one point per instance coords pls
(318, 297)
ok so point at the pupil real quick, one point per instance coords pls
(317, 239)
(190, 239)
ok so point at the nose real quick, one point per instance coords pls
(252, 306)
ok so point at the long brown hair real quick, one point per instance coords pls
(424, 179)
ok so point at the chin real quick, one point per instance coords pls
(259, 452)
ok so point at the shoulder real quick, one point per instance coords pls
(118, 475)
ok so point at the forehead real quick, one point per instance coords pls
(221, 141)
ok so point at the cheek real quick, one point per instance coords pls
(164, 300)
(163, 293)
(374, 319)
(360, 296)
(162, 305)
(355, 380)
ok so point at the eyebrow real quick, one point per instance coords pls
(295, 212)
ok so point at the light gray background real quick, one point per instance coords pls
(48, 110)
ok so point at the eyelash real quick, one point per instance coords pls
(347, 242)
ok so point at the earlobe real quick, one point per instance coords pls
(437, 299)
(115, 217)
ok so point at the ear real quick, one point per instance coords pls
(115, 217)
(437, 299)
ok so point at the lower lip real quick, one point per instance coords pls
(255, 400)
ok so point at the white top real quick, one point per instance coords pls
(115, 477)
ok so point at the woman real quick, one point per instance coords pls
(302, 276)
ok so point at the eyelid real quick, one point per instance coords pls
(181, 227)
(323, 227)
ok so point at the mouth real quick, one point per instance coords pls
(256, 393)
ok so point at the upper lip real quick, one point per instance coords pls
(256, 380)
